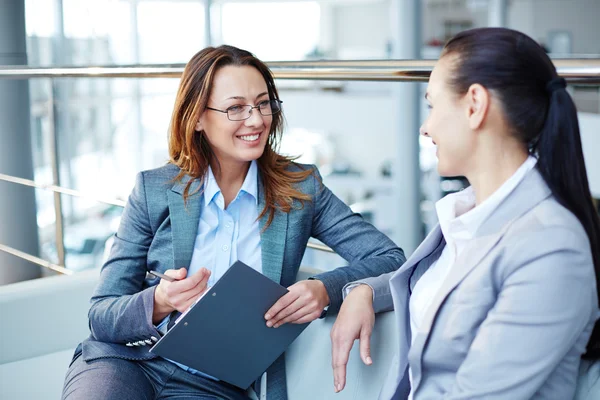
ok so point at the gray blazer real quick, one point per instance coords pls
(157, 232)
(514, 315)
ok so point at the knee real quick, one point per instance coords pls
(108, 379)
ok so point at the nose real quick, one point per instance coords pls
(256, 118)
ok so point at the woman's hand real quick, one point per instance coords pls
(303, 303)
(355, 321)
(180, 294)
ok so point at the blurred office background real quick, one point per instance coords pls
(362, 135)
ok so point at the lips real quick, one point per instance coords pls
(251, 137)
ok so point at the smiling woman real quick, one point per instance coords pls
(225, 195)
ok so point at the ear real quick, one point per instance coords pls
(478, 104)
(200, 124)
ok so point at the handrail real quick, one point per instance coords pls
(577, 70)
(35, 260)
(58, 189)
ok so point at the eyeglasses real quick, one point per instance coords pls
(243, 112)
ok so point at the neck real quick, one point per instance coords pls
(494, 165)
(230, 178)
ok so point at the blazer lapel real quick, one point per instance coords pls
(426, 247)
(272, 240)
(184, 220)
(530, 192)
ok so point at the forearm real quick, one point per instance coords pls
(375, 271)
(118, 319)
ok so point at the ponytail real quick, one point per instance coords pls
(561, 163)
(541, 114)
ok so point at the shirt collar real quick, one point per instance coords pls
(458, 211)
(250, 185)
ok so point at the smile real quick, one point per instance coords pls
(250, 138)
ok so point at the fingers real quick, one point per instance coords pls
(178, 274)
(281, 304)
(340, 350)
(365, 346)
(296, 309)
(302, 315)
(182, 293)
(193, 281)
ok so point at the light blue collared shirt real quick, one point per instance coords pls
(226, 235)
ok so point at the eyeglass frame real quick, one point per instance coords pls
(226, 111)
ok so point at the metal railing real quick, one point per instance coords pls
(579, 71)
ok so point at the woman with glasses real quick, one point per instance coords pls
(225, 195)
(500, 300)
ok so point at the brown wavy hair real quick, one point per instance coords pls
(189, 149)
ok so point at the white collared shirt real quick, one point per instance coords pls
(459, 219)
(228, 235)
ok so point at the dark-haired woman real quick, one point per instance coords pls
(225, 195)
(500, 300)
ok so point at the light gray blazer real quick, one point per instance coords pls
(514, 315)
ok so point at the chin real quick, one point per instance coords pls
(446, 170)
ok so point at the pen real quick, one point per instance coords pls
(162, 276)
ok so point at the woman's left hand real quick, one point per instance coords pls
(303, 303)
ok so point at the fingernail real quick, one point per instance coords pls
(268, 316)
(338, 387)
(269, 324)
(335, 387)
(369, 360)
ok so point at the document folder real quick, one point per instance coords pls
(225, 334)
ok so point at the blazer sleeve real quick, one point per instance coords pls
(547, 299)
(382, 295)
(369, 252)
(121, 308)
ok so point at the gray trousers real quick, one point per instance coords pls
(118, 379)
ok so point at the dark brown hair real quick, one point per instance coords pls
(189, 149)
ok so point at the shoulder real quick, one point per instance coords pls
(159, 177)
(547, 220)
(312, 182)
(551, 232)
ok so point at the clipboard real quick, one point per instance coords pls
(224, 334)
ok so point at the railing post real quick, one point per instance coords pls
(18, 224)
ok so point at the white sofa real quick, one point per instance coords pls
(43, 320)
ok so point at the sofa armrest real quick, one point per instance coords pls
(46, 315)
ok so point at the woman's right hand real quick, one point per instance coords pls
(355, 320)
(180, 294)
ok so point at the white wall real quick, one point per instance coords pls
(538, 18)
(589, 125)
(362, 124)
(361, 31)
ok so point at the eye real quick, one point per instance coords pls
(236, 109)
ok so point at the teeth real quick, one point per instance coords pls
(249, 138)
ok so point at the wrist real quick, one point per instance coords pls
(161, 309)
(323, 295)
(363, 291)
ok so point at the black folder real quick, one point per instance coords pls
(225, 335)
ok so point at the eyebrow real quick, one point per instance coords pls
(243, 98)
